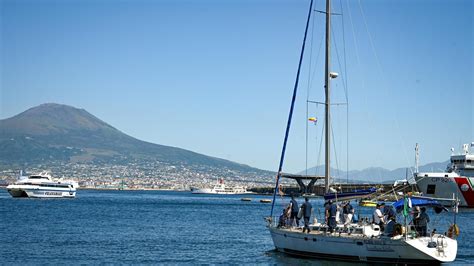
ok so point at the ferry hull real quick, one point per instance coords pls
(17, 193)
(219, 191)
(361, 249)
(211, 191)
(40, 193)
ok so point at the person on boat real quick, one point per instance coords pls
(388, 212)
(422, 223)
(294, 211)
(416, 217)
(288, 215)
(377, 217)
(282, 219)
(331, 212)
(348, 212)
(307, 208)
(390, 227)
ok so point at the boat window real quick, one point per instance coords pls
(431, 189)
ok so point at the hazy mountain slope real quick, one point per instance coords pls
(376, 174)
(60, 132)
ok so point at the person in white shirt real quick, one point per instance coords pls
(378, 217)
(348, 212)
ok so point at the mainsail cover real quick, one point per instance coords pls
(356, 194)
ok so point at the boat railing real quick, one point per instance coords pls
(274, 221)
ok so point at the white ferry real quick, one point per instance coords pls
(458, 179)
(221, 188)
(42, 186)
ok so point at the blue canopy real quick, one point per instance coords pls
(421, 202)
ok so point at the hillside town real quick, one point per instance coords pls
(146, 175)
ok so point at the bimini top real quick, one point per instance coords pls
(420, 202)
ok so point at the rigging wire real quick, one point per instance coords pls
(307, 94)
(383, 79)
(356, 44)
(335, 153)
(310, 84)
(320, 148)
(347, 91)
(290, 115)
(347, 120)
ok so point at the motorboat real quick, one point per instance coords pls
(367, 203)
(42, 186)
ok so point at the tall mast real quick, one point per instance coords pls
(327, 174)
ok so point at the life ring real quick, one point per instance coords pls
(453, 231)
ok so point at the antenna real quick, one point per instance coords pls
(417, 157)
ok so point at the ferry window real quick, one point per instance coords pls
(431, 189)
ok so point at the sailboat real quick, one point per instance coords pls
(363, 241)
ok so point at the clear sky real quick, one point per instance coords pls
(216, 77)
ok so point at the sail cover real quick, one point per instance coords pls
(356, 194)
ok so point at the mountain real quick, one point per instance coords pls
(376, 174)
(61, 133)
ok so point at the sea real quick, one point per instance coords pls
(158, 227)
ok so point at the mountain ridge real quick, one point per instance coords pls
(60, 132)
(376, 174)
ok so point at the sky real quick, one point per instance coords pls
(216, 77)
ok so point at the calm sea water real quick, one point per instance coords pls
(152, 227)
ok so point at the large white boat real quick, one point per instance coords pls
(42, 186)
(362, 241)
(221, 188)
(458, 179)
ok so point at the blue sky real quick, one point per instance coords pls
(216, 77)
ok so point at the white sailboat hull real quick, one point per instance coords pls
(384, 249)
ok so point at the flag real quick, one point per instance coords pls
(313, 119)
(406, 206)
